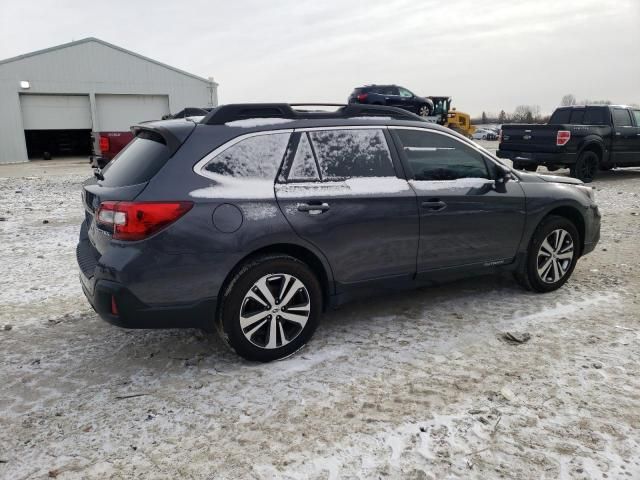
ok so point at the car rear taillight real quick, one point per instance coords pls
(362, 97)
(139, 220)
(563, 137)
(104, 144)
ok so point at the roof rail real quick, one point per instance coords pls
(240, 111)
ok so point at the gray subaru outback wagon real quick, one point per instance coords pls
(257, 217)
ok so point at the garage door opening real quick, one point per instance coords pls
(46, 144)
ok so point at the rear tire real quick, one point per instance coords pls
(552, 255)
(586, 167)
(270, 308)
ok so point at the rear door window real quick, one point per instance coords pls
(252, 157)
(595, 116)
(636, 113)
(577, 116)
(621, 117)
(345, 154)
(138, 162)
(303, 167)
(561, 115)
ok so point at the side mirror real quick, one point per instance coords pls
(503, 175)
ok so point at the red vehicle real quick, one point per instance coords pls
(106, 145)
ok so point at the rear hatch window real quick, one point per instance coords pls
(138, 162)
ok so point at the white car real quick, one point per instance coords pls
(485, 134)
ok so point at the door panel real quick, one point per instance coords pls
(624, 137)
(353, 207)
(464, 223)
(465, 216)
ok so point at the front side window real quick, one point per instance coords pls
(636, 113)
(345, 154)
(621, 118)
(432, 156)
(405, 93)
(253, 157)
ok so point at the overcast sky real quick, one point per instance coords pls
(487, 55)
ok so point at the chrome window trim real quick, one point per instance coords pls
(345, 127)
(485, 154)
(199, 169)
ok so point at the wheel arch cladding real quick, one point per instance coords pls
(574, 216)
(595, 147)
(301, 253)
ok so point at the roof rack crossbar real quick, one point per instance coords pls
(240, 111)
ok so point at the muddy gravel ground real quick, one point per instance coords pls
(415, 385)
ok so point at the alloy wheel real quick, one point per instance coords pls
(424, 111)
(275, 310)
(555, 256)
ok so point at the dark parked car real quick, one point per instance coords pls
(259, 217)
(392, 96)
(584, 138)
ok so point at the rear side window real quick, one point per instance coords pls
(561, 115)
(303, 167)
(621, 118)
(253, 157)
(352, 153)
(138, 162)
(577, 116)
(595, 116)
(432, 156)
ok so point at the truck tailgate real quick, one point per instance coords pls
(530, 138)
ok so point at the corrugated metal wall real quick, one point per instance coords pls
(88, 67)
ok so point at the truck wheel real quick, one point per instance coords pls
(586, 166)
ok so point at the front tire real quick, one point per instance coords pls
(424, 110)
(553, 252)
(586, 167)
(270, 308)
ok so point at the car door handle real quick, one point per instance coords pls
(434, 205)
(313, 209)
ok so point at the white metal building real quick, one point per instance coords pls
(63, 93)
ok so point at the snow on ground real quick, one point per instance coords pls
(416, 385)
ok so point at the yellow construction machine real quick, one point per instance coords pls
(450, 117)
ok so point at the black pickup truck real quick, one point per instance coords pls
(584, 138)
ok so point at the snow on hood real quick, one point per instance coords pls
(559, 179)
(257, 122)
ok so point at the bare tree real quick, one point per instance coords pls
(526, 114)
(568, 100)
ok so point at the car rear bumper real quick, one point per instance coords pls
(118, 305)
(538, 158)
